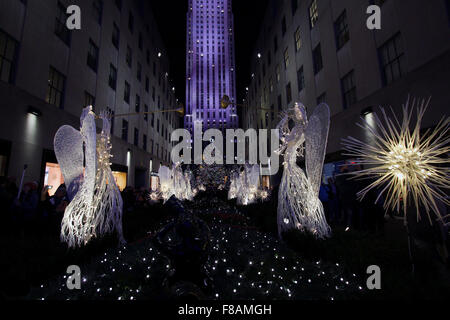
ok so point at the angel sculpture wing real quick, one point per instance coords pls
(68, 144)
(316, 138)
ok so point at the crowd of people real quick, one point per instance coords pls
(31, 204)
(34, 204)
(339, 196)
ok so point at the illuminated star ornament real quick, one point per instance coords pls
(410, 167)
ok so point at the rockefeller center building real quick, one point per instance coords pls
(48, 74)
(210, 60)
(322, 51)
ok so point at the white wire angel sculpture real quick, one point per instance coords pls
(299, 206)
(166, 183)
(173, 182)
(245, 186)
(96, 204)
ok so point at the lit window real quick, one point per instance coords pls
(313, 14)
(286, 58)
(298, 40)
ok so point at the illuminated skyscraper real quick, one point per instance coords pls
(210, 64)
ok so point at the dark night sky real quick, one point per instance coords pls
(171, 19)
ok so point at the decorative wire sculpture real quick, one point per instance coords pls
(407, 165)
(245, 186)
(299, 206)
(173, 182)
(96, 205)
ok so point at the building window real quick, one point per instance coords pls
(140, 41)
(144, 142)
(294, 6)
(118, 4)
(112, 77)
(379, 2)
(341, 30)
(313, 14)
(278, 73)
(288, 93)
(283, 26)
(129, 56)
(298, 40)
(116, 36)
(125, 130)
(275, 44)
(97, 9)
(392, 59)
(138, 104)
(60, 26)
(136, 137)
(55, 90)
(92, 58)
(147, 84)
(317, 59)
(348, 89)
(8, 48)
(280, 103)
(300, 79)
(286, 58)
(146, 113)
(89, 100)
(322, 98)
(131, 22)
(447, 3)
(126, 94)
(139, 72)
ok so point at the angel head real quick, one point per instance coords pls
(299, 113)
(85, 113)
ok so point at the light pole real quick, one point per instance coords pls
(179, 110)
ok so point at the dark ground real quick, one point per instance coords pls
(33, 254)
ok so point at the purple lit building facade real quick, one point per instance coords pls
(210, 65)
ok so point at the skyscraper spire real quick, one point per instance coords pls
(210, 60)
